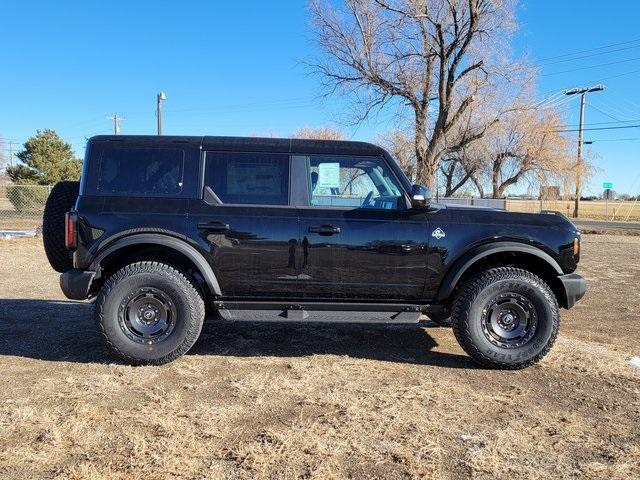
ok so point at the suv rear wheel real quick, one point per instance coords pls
(505, 318)
(149, 313)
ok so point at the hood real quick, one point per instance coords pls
(546, 218)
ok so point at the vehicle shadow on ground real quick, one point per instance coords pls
(58, 330)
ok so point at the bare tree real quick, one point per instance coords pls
(432, 56)
(318, 133)
(457, 171)
(525, 145)
(402, 149)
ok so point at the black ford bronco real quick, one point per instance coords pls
(161, 229)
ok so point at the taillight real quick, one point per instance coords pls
(70, 234)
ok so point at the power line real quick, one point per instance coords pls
(604, 123)
(618, 110)
(591, 49)
(549, 99)
(632, 139)
(609, 77)
(558, 103)
(591, 66)
(589, 56)
(598, 128)
(603, 112)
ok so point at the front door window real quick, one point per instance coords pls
(348, 182)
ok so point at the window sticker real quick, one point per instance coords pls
(329, 175)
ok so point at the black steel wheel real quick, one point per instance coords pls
(505, 317)
(149, 313)
(509, 320)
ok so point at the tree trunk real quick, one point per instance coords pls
(425, 163)
(495, 178)
(478, 184)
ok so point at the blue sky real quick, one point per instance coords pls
(236, 68)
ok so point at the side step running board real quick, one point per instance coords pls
(319, 316)
(322, 312)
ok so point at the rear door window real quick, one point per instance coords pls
(141, 171)
(248, 178)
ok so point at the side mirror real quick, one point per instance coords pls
(420, 197)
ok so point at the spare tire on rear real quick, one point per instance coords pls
(61, 199)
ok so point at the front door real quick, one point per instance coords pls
(359, 240)
(246, 226)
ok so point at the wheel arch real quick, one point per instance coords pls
(496, 254)
(155, 246)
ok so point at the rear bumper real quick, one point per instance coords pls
(75, 283)
(574, 288)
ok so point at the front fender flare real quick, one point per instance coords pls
(167, 241)
(461, 265)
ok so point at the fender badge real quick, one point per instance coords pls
(438, 233)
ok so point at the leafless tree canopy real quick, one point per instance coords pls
(318, 133)
(433, 56)
(402, 149)
(525, 145)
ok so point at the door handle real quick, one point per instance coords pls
(214, 226)
(325, 230)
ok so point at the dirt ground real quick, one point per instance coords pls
(267, 401)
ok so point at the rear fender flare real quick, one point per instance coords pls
(466, 261)
(171, 242)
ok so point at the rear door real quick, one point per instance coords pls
(245, 224)
(359, 239)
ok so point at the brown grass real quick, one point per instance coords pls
(596, 210)
(296, 401)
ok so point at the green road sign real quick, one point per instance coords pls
(607, 185)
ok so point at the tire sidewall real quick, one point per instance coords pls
(546, 312)
(62, 198)
(187, 319)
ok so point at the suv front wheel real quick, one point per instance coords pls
(149, 313)
(505, 318)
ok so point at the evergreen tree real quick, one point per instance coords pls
(46, 160)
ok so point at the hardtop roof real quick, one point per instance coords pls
(251, 144)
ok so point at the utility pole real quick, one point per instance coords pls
(11, 152)
(159, 99)
(116, 123)
(583, 93)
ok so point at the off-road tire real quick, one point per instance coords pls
(181, 292)
(61, 199)
(478, 293)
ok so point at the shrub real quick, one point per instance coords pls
(27, 198)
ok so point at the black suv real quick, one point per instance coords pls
(160, 229)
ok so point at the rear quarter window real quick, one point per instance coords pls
(139, 171)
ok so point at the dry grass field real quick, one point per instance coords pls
(596, 210)
(285, 401)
